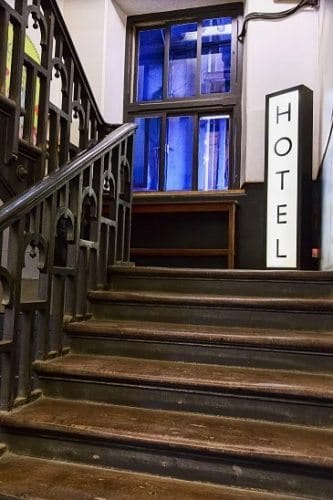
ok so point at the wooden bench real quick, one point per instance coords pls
(228, 206)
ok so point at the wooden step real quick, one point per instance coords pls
(33, 478)
(265, 303)
(273, 312)
(278, 457)
(220, 281)
(283, 339)
(261, 348)
(192, 375)
(231, 274)
(278, 395)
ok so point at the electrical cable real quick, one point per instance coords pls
(271, 16)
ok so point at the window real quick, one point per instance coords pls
(184, 95)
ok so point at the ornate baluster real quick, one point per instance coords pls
(11, 326)
(64, 212)
(43, 117)
(16, 80)
(4, 25)
(7, 352)
(24, 356)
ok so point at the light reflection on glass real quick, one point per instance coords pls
(179, 153)
(150, 65)
(216, 55)
(182, 60)
(147, 153)
(213, 159)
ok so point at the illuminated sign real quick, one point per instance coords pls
(288, 178)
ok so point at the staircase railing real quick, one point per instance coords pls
(48, 115)
(66, 226)
(47, 110)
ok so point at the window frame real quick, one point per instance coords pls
(215, 103)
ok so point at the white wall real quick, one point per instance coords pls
(86, 20)
(277, 55)
(326, 90)
(137, 7)
(61, 4)
(98, 29)
(326, 71)
(114, 63)
(327, 211)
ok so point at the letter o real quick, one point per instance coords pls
(289, 146)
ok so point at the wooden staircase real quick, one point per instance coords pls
(184, 384)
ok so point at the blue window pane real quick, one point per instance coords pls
(179, 153)
(150, 65)
(216, 55)
(182, 60)
(147, 154)
(213, 158)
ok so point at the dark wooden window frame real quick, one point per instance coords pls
(228, 103)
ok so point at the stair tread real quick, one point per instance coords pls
(192, 375)
(312, 340)
(34, 478)
(3, 448)
(229, 274)
(194, 433)
(183, 299)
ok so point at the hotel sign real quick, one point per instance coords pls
(288, 178)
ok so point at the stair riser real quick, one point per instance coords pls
(237, 287)
(142, 395)
(215, 354)
(212, 315)
(165, 461)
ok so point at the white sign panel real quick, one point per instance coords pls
(282, 180)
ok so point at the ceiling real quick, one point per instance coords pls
(136, 7)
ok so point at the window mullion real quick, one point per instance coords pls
(234, 56)
(166, 62)
(233, 152)
(161, 179)
(146, 150)
(195, 153)
(133, 94)
(198, 65)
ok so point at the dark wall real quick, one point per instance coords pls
(208, 230)
(251, 243)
